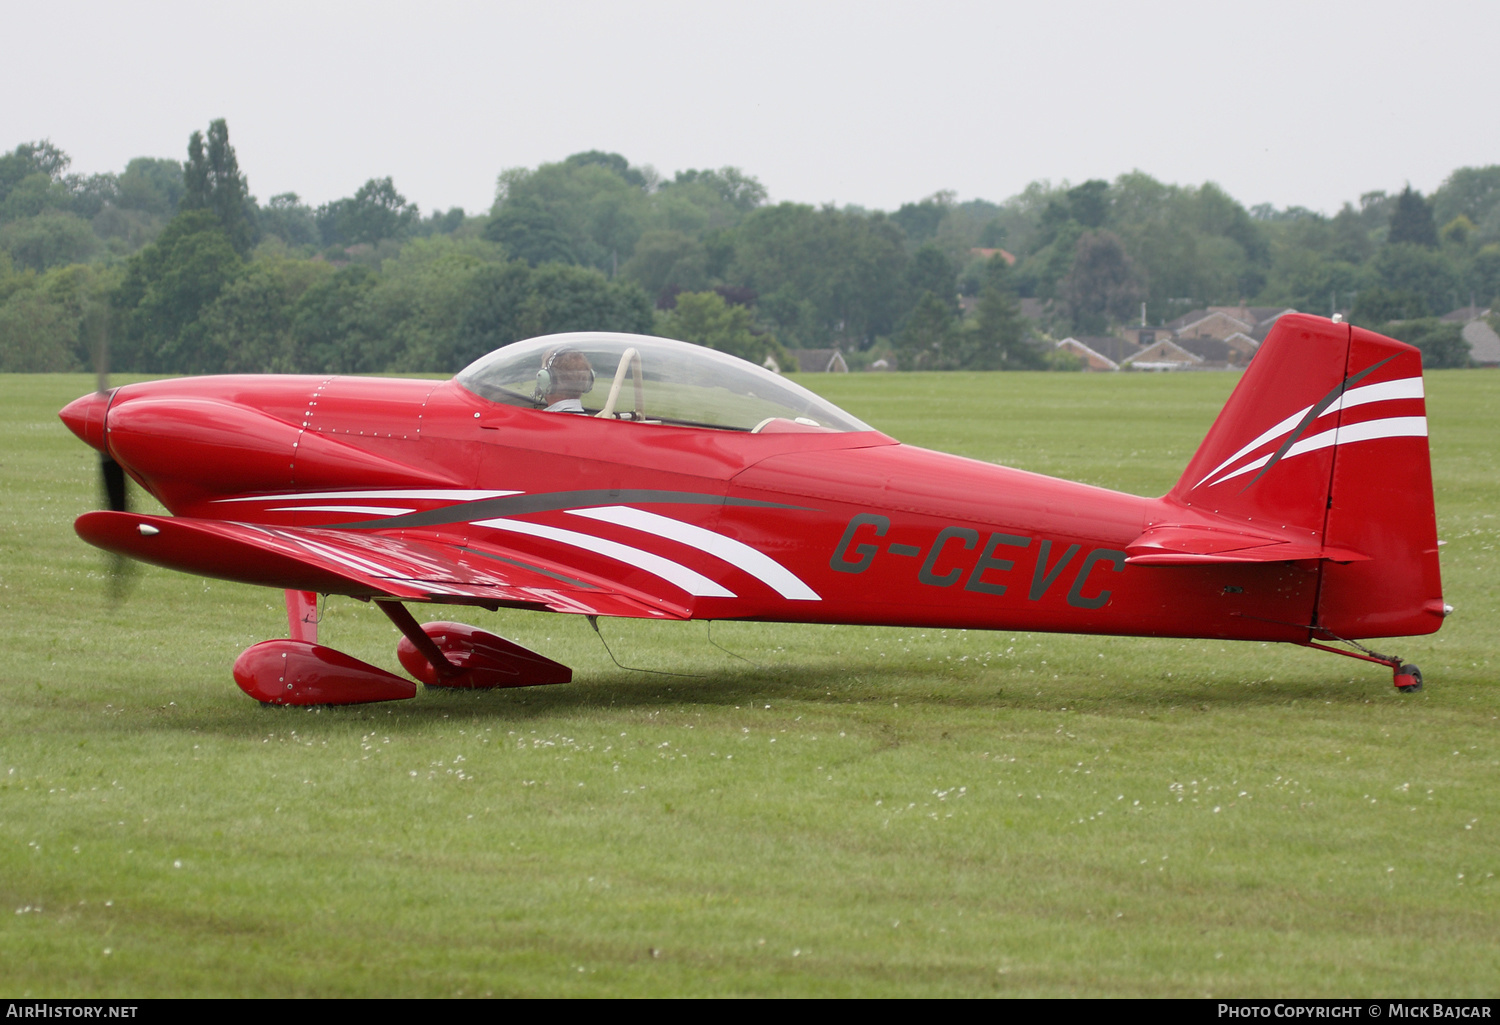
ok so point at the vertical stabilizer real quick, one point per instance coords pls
(1325, 441)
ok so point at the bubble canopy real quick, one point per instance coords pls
(657, 381)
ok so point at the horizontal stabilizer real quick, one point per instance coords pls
(1196, 544)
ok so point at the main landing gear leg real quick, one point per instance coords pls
(300, 671)
(1407, 677)
(459, 655)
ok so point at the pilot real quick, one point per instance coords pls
(566, 376)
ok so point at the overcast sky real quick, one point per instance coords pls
(838, 101)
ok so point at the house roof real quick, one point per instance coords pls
(1464, 314)
(818, 361)
(1197, 318)
(1212, 350)
(1165, 351)
(1484, 343)
(1114, 347)
(1087, 351)
(985, 254)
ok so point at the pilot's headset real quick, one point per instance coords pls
(549, 380)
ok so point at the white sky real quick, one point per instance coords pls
(864, 102)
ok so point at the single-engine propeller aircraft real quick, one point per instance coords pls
(683, 483)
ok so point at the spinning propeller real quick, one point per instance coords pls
(112, 481)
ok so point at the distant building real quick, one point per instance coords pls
(1165, 354)
(1484, 343)
(820, 361)
(985, 254)
(1464, 315)
(1101, 352)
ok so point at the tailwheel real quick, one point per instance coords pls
(1408, 679)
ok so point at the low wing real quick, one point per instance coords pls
(410, 565)
(1168, 545)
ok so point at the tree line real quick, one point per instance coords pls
(185, 271)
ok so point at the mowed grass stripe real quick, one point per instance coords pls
(864, 812)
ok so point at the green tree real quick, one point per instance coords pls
(506, 302)
(928, 340)
(328, 332)
(1102, 284)
(1412, 222)
(704, 318)
(612, 162)
(847, 268)
(1314, 283)
(1442, 344)
(151, 186)
(1429, 273)
(49, 239)
(667, 259)
(998, 340)
(412, 319)
(212, 181)
(729, 185)
(530, 231)
(580, 211)
(1088, 204)
(288, 218)
(920, 221)
(53, 322)
(374, 213)
(36, 335)
(1378, 306)
(1472, 192)
(1484, 274)
(930, 271)
(167, 286)
(29, 159)
(248, 327)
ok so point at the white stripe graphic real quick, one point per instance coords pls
(759, 565)
(1285, 427)
(1402, 388)
(1390, 427)
(691, 581)
(437, 494)
(374, 510)
(345, 559)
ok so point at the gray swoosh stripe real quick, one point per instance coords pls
(528, 566)
(520, 505)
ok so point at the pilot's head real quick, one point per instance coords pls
(565, 374)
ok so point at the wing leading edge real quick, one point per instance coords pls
(411, 566)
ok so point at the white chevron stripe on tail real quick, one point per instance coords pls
(1385, 391)
(1370, 430)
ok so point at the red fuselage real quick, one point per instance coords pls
(849, 527)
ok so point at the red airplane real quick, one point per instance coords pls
(683, 483)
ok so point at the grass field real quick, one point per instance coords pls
(860, 812)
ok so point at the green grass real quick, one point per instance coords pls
(863, 812)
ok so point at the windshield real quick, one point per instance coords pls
(651, 380)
